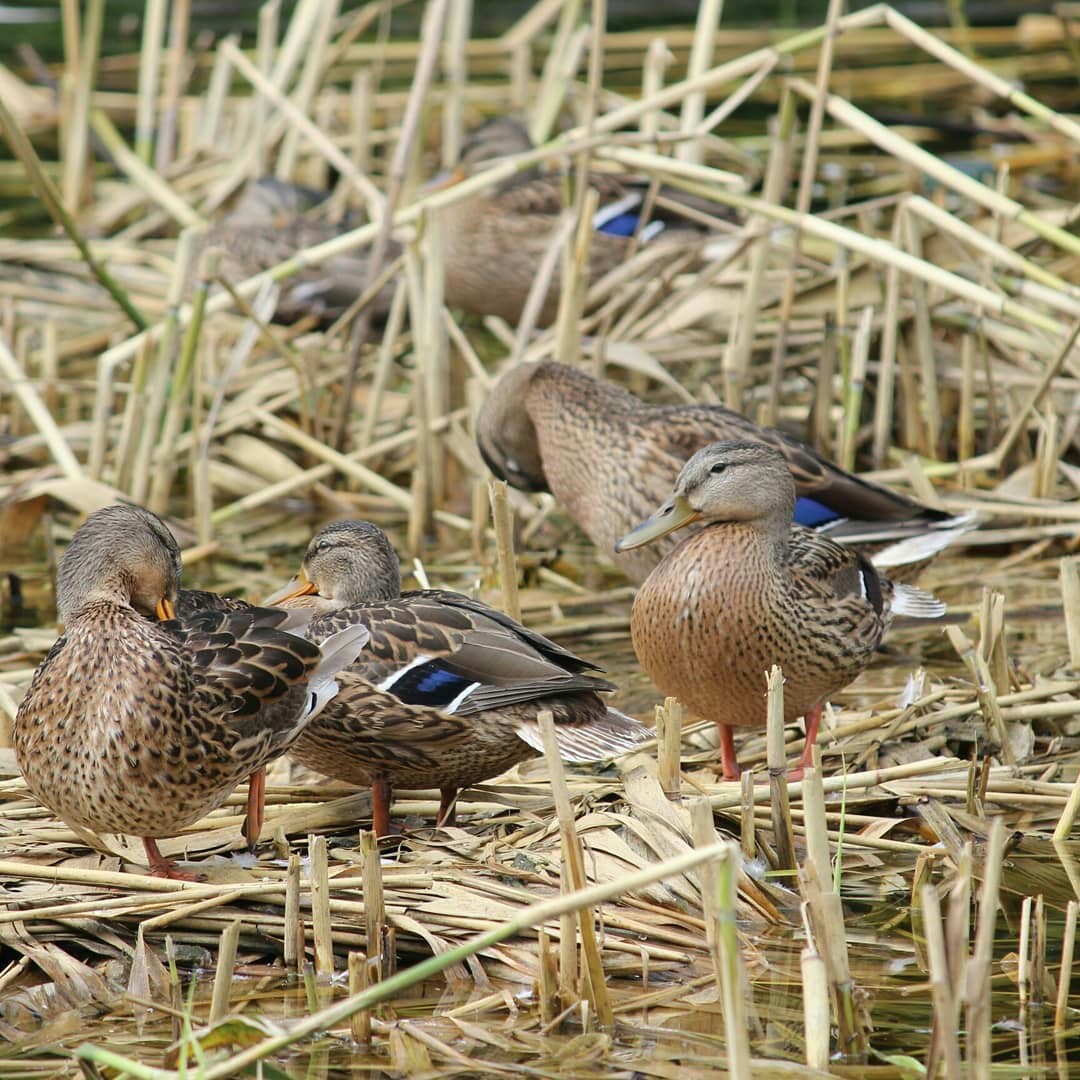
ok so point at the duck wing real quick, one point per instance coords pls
(444, 651)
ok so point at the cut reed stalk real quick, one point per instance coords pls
(976, 996)
(360, 1022)
(945, 1044)
(374, 902)
(815, 996)
(293, 943)
(574, 864)
(223, 972)
(669, 718)
(321, 925)
(777, 761)
(1065, 971)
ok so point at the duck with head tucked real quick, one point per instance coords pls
(448, 692)
(749, 590)
(609, 458)
(140, 722)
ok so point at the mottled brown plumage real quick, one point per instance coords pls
(610, 458)
(270, 223)
(448, 691)
(750, 590)
(495, 240)
(135, 725)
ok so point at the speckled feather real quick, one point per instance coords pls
(542, 421)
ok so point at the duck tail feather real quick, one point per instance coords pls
(908, 600)
(614, 734)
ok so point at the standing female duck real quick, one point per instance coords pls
(750, 590)
(448, 692)
(139, 722)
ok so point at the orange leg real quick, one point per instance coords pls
(256, 806)
(813, 722)
(728, 761)
(447, 806)
(380, 807)
(162, 867)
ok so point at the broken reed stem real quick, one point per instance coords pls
(777, 763)
(502, 517)
(985, 692)
(547, 980)
(1068, 945)
(827, 918)
(223, 973)
(815, 995)
(976, 994)
(293, 944)
(574, 863)
(149, 74)
(946, 1037)
(747, 834)
(321, 926)
(374, 902)
(360, 1022)
(732, 975)
(703, 833)
(669, 718)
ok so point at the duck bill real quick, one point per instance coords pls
(165, 609)
(299, 586)
(674, 514)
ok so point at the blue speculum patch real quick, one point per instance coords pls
(811, 513)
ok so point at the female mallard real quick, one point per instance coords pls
(140, 726)
(448, 691)
(543, 422)
(750, 590)
(494, 241)
(273, 220)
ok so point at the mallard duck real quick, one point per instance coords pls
(609, 458)
(448, 691)
(750, 590)
(270, 222)
(494, 241)
(140, 722)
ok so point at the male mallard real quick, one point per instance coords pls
(448, 691)
(609, 458)
(750, 590)
(135, 725)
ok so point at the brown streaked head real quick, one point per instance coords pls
(352, 562)
(121, 554)
(725, 481)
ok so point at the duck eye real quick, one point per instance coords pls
(718, 468)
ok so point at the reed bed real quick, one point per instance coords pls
(902, 294)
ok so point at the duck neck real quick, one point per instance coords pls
(765, 540)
